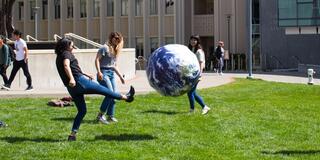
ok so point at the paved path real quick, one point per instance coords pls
(142, 86)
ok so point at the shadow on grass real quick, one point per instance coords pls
(24, 139)
(126, 137)
(161, 112)
(71, 119)
(292, 152)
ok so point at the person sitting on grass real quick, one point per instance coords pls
(79, 83)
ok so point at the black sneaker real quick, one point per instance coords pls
(72, 138)
(29, 88)
(130, 94)
(6, 86)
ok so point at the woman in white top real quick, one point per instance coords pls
(196, 48)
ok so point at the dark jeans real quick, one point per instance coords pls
(192, 95)
(86, 86)
(16, 66)
(108, 81)
(3, 72)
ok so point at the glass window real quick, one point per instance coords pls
(124, 7)
(69, 8)
(32, 5)
(20, 4)
(110, 6)
(139, 47)
(56, 9)
(139, 7)
(169, 40)
(203, 7)
(154, 43)
(96, 9)
(44, 9)
(298, 12)
(153, 7)
(169, 6)
(83, 8)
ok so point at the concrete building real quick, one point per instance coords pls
(148, 24)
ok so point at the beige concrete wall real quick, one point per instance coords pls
(153, 27)
(139, 26)
(95, 27)
(124, 26)
(44, 72)
(169, 25)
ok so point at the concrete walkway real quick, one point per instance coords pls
(142, 86)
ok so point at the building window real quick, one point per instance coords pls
(139, 7)
(20, 5)
(169, 6)
(69, 8)
(56, 9)
(83, 8)
(110, 6)
(96, 9)
(124, 7)
(44, 9)
(139, 47)
(169, 40)
(298, 13)
(32, 5)
(153, 7)
(202, 7)
(154, 43)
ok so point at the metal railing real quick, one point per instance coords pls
(277, 60)
(56, 37)
(28, 37)
(72, 35)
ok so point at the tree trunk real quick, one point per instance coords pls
(9, 25)
(6, 26)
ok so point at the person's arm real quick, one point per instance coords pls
(97, 64)
(67, 69)
(116, 69)
(26, 52)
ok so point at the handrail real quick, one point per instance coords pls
(55, 37)
(83, 39)
(274, 57)
(296, 58)
(8, 40)
(28, 37)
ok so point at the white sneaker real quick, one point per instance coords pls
(205, 110)
(220, 73)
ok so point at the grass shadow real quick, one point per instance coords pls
(126, 137)
(161, 112)
(71, 119)
(292, 152)
(24, 139)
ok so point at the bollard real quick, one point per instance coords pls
(311, 72)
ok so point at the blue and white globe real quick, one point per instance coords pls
(173, 70)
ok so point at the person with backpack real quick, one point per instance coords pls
(4, 59)
(219, 52)
(21, 61)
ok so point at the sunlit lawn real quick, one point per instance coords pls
(250, 119)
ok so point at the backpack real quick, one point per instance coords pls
(11, 55)
(218, 52)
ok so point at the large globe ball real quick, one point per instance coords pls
(173, 70)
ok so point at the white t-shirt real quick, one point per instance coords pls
(19, 45)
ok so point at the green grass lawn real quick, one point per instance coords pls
(249, 119)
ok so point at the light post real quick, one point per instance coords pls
(249, 36)
(229, 41)
(35, 9)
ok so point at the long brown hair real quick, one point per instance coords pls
(114, 42)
